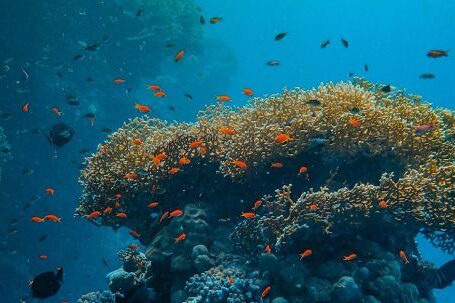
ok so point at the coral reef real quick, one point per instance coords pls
(97, 297)
(5, 150)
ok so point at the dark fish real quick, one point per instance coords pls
(106, 130)
(60, 134)
(12, 230)
(92, 47)
(42, 238)
(169, 45)
(89, 116)
(78, 57)
(105, 262)
(427, 76)
(202, 20)
(47, 284)
(171, 108)
(27, 171)
(280, 36)
(365, 67)
(89, 79)
(344, 42)
(354, 110)
(444, 275)
(72, 100)
(188, 96)
(59, 74)
(5, 116)
(139, 13)
(4, 149)
(313, 102)
(325, 43)
(350, 74)
(83, 151)
(437, 53)
(386, 88)
(273, 63)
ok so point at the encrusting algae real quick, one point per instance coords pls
(338, 121)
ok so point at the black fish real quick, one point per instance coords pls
(171, 108)
(169, 45)
(350, 74)
(313, 102)
(92, 48)
(105, 262)
(72, 100)
(325, 43)
(344, 42)
(280, 36)
(5, 116)
(202, 20)
(78, 57)
(47, 284)
(106, 130)
(139, 13)
(90, 116)
(27, 171)
(365, 67)
(89, 79)
(188, 96)
(5, 150)
(386, 88)
(42, 238)
(273, 63)
(83, 151)
(427, 76)
(60, 134)
(444, 275)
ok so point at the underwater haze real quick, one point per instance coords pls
(189, 151)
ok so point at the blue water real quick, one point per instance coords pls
(392, 37)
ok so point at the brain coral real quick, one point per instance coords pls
(349, 120)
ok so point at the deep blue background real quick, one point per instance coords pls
(392, 37)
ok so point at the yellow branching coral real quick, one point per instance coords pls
(351, 119)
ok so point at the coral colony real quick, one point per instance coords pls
(304, 196)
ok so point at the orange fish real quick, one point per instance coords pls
(268, 249)
(43, 257)
(131, 176)
(248, 91)
(282, 138)
(133, 246)
(142, 108)
(180, 237)
(437, 53)
(153, 204)
(202, 151)
(248, 215)
(223, 98)
(239, 163)
(37, 219)
(137, 141)
(117, 204)
(104, 148)
(119, 80)
(117, 196)
(134, 233)
(107, 210)
(25, 107)
(93, 215)
(313, 207)
(176, 213)
(121, 215)
(154, 87)
(215, 20)
(257, 204)
(276, 165)
(383, 204)
(303, 170)
(159, 94)
(158, 158)
(265, 291)
(195, 143)
(52, 218)
(184, 161)
(57, 111)
(50, 191)
(164, 215)
(423, 129)
(354, 122)
(305, 253)
(404, 257)
(350, 257)
(227, 130)
(179, 55)
(230, 280)
(173, 170)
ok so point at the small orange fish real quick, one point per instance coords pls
(134, 233)
(153, 204)
(437, 53)
(37, 219)
(159, 94)
(354, 122)
(224, 98)
(404, 257)
(248, 91)
(265, 291)
(25, 107)
(276, 165)
(180, 237)
(117, 196)
(195, 143)
(257, 204)
(117, 204)
(43, 257)
(50, 191)
(104, 148)
(202, 151)
(303, 170)
(423, 129)
(350, 257)
(227, 130)
(164, 215)
(154, 87)
(57, 111)
(240, 164)
(133, 246)
(137, 141)
(121, 215)
(313, 207)
(119, 80)
(176, 213)
(52, 218)
(107, 210)
(230, 280)
(179, 55)
(184, 161)
(142, 108)
(268, 249)
(383, 204)
(215, 20)
(173, 170)
(131, 176)
(248, 215)
(283, 138)
(93, 215)
(158, 158)
(305, 253)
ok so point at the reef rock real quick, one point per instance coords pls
(346, 290)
